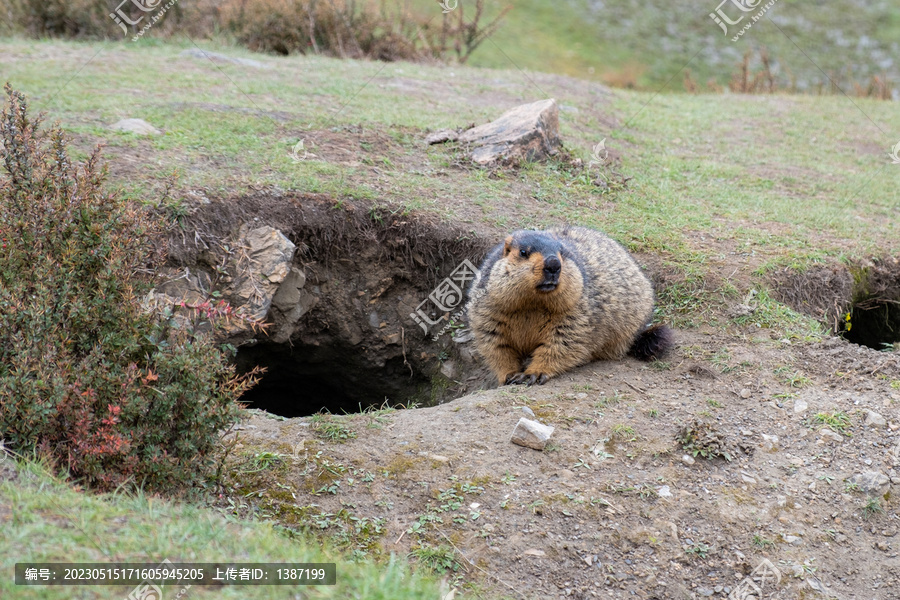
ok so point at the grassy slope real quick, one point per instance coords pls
(649, 41)
(45, 520)
(793, 177)
(772, 179)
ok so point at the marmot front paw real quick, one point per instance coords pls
(527, 378)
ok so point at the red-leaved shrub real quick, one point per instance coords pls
(112, 393)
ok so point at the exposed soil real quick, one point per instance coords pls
(591, 516)
(611, 508)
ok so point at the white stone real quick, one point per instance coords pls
(135, 126)
(531, 434)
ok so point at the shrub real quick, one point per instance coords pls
(86, 376)
(344, 28)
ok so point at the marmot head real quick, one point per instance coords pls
(540, 265)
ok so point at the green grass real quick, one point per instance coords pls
(836, 421)
(330, 429)
(46, 520)
(726, 166)
(649, 42)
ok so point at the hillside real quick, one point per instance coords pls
(761, 219)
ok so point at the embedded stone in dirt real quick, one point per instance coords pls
(875, 419)
(261, 262)
(874, 483)
(531, 434)
(135, 126)
(441, 136)
(526, 132)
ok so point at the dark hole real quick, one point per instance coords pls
(303, 380)
(875, 324)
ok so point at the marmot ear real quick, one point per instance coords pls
(507, 245)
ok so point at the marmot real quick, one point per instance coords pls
(548, 301)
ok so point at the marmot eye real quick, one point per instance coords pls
(523, 253)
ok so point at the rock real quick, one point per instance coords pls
(534, 552)
(770, 442)
(261, 262)
(441, 136)
(529, 132)
(531, 434)
(135, 126)
(745, 393)
(793, 540)
(528, 412)
(289, 292)
(222, 58)
(874, 419)
(448, 369)
(829, 435)
(747, 479)
(664, 491)
(800, 405)
(180, 286)
(872, 483)
(688, 460)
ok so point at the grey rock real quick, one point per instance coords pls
(261, 263)
(180, 286)
(529, 131)
(289, 292)
(800, 406)
(829, 435)
(135, 126)
(688, 459)
(448, 369)
(873, 483)
(441, 136)
(875, 419)
(531, 434)
(745, 393)
(222, 58)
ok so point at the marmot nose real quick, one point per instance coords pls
(552, 266)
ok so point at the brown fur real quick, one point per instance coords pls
(600, 305)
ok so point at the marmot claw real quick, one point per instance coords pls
(527, 378)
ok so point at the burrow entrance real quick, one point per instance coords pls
(874, 322)
(860, 303)
(302, 380)
(364, 271)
